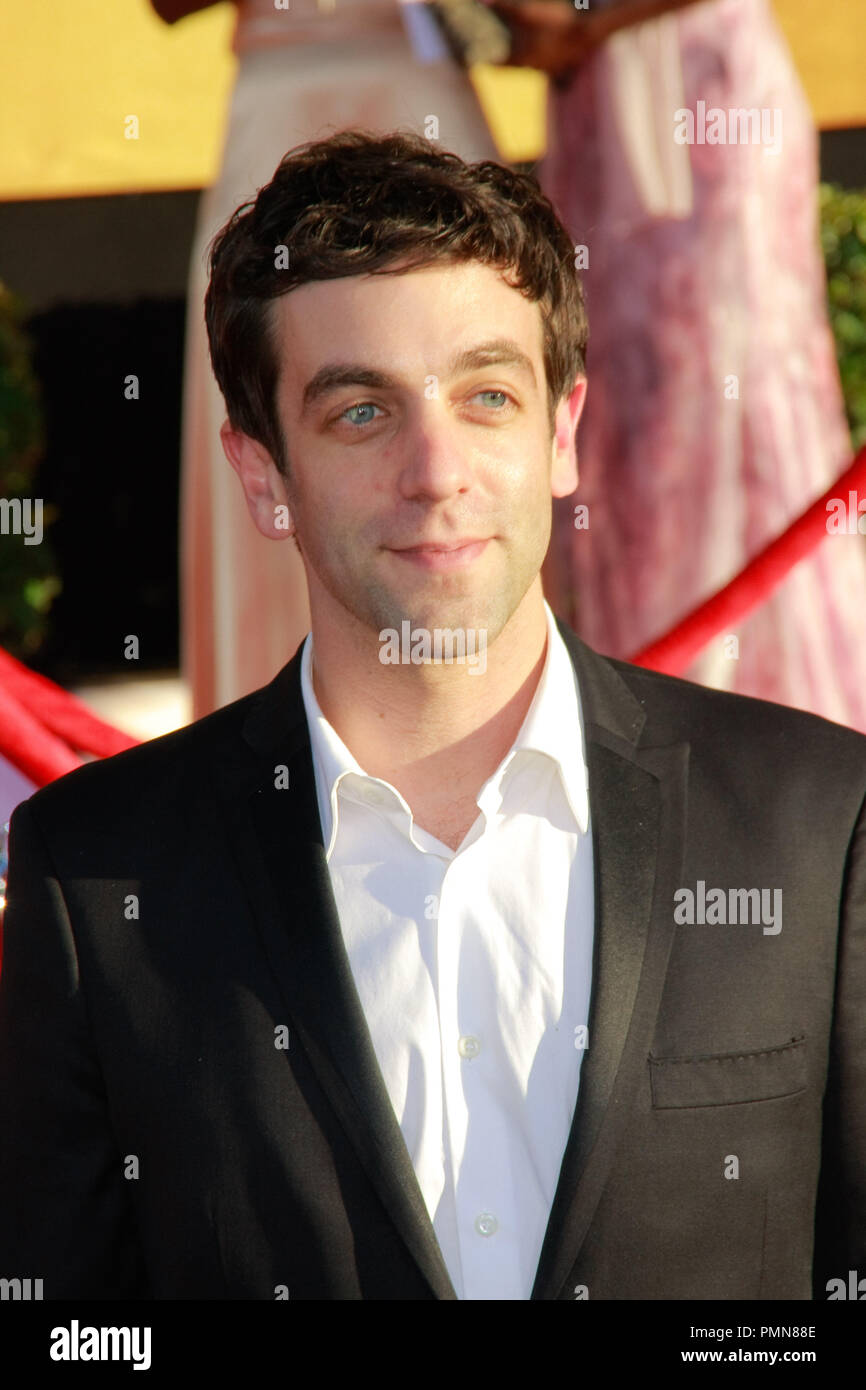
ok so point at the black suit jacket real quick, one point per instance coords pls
(170, 910)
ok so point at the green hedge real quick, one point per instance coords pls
(28, 573)
(843, 239)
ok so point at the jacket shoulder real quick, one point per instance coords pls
(757, 749)
(703, 710)
(163, 769)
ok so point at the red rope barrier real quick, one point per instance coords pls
(673, 652)
(44, 728)
(61, 712)
(28, 745)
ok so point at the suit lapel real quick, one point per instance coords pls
(277, 833)
(637, 811)
(637, 808)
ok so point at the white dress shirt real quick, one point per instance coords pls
(474, 968)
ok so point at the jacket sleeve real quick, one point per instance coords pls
(66, 1215)
(840, 1226)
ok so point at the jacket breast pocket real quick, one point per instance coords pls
(729, 1078)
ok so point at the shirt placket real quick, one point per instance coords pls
(476, 1128)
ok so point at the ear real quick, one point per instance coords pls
(563, 477)
(263, 484)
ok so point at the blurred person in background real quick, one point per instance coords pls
(715, 415)
(302, 72)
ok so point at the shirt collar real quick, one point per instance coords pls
(553, 727)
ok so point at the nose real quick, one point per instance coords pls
(436, 460)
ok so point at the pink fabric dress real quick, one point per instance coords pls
(714, 412)
(304, 73)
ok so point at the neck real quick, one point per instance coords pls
(437, 731)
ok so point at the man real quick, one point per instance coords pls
(490, 969)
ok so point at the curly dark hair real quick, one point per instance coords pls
(365, 203)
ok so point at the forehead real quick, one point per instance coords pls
(407, 321)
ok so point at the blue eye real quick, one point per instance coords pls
(504, 401)
(361, 405)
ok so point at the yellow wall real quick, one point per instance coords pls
(72, 71)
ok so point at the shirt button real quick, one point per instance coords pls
(486, 1224)
(469, 1046)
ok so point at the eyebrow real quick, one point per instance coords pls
(499, 352)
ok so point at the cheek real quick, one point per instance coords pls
(310, 497)
(517, 474)
(536, 480)
(332, 517)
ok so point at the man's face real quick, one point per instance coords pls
(422, 463)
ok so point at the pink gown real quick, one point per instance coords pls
(714, 411)
(304, 73)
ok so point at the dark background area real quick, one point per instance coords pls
(103, 281)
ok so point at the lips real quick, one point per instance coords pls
(443, 555)
(439, 547)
